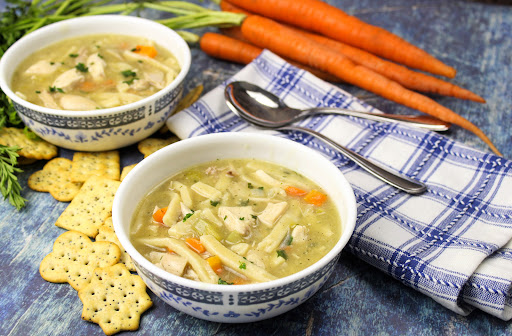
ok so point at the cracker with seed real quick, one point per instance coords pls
(75, 257)
(150, 145)
(106, 233)
(115, 299)
(87, 164)
(30, 148)
(90, 207)
(126, 170)
(55, 179)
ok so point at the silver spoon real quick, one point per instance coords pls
(384, 174)
(266, 110)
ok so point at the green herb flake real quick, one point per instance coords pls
(249, 185)
(81, 67)
(282, 254)
(242, 265)
(128, 73)
(225, 217)
(38, 92)
(244, 203)
(289, 241)
(241, 218)
(223, 282)
(254, 216)
(214, 203)
(73, 55)
(187, 216)
(260, 188)
(54, 89)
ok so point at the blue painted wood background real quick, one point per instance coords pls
(472, 36)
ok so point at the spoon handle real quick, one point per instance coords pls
(422, 121)
(398, 181)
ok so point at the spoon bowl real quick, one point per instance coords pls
(262, 100)
(264, 109)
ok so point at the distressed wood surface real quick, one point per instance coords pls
(472, 36)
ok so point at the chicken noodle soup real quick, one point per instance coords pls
(94, 72)
(235, 222)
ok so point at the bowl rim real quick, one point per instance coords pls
(147, 163)
(112, 20)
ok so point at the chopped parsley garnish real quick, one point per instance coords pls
(282, 254)
(214, 203)
(260, 188)
(223, 282)
(225, 217)
(249, 185)
(100, 56)
(241, 218)
(54, 89)
(38, 92)
(81, 67)
(187, 216)
(52, 63)
(73, 55)
(128, 73)
(242, 265)
(289, 241)
(254, 216)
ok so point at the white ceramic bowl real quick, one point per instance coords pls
(242, 303)
(102, 129)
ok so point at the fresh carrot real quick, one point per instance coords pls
(320, 17)
(195, 245)
(148, 51)
(158, 215)
(227, 6)
(215, 264)
(223, 47)
(282, 40)
(235, 50)
(408, 78)
(169, 250)
(294, 191)
(315, 197)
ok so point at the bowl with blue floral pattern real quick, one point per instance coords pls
(222, 301)
(71, 114)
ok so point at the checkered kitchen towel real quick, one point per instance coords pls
(452, 243)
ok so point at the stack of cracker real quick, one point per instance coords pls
(101, 270)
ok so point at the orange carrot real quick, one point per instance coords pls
(408, 78)
(282, 40)
(228, 49)
(294, 191)
(235, 50)
(227, 6)
(315, 197)
(159, 215)
(195, 245)
(87, 86)
(148, 51)
(320, 17)
(215, 264)
(169, 250)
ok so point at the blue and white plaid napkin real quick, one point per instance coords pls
(451, 243)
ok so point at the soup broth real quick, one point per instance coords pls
(94, 72)
(235, 221)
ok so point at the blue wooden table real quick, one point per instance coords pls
(472, 36)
